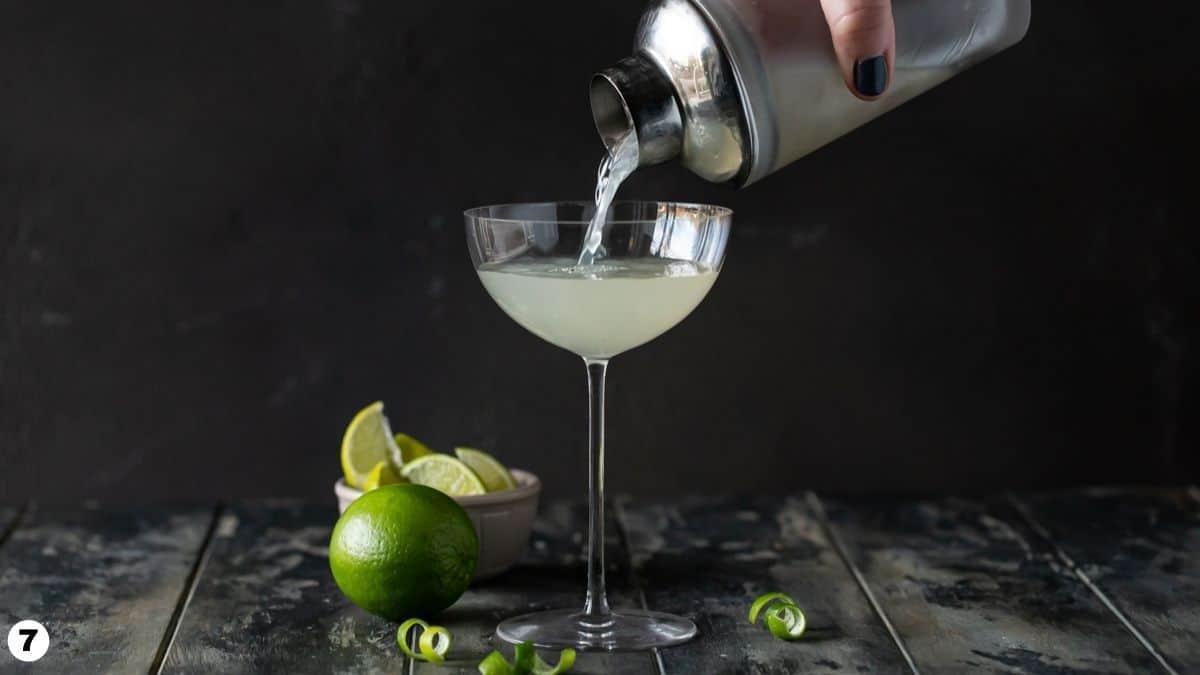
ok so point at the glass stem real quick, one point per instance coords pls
(595, 608)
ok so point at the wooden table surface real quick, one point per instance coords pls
(1089, 581)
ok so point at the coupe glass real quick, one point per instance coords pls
(660, 260)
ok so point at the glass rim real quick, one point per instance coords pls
(480, 212)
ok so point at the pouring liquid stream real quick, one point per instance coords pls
(620, 161)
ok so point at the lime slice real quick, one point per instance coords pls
(493, 474)
(367, 442)
(410, 449)
(445, 474)
(381, 474)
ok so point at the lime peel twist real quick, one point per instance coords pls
(495, 664)
(526, 662)
(432, 644)
(783, 616)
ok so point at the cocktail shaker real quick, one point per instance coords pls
(736, 89)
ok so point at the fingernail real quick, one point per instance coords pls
(871, 75)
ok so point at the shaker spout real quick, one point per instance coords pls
(634, 96)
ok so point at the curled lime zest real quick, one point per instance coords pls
(402, 637)
(526, 662)
(432, 644)
(766, 599)
(523, 656)
(786, 622)
(783, 617)
(495, 664)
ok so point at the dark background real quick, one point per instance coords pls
(225, 227)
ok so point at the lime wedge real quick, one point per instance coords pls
(381, 474)
(367, 442)
(494, 475)
(410, 449)
(445, 474)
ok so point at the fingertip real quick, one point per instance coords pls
(864, 39)
(870, 77)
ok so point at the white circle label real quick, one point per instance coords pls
(28, 640)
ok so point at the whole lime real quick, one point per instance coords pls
(403, 551)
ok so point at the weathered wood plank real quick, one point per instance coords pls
(709, 558)
(1141, 548)
(552, 575)
(970, 588)
(104, 582)
(266, 601)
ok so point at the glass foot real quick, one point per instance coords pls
(626, 630)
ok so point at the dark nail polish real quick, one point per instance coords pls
(871, 76)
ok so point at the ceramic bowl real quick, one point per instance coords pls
(503, 520)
